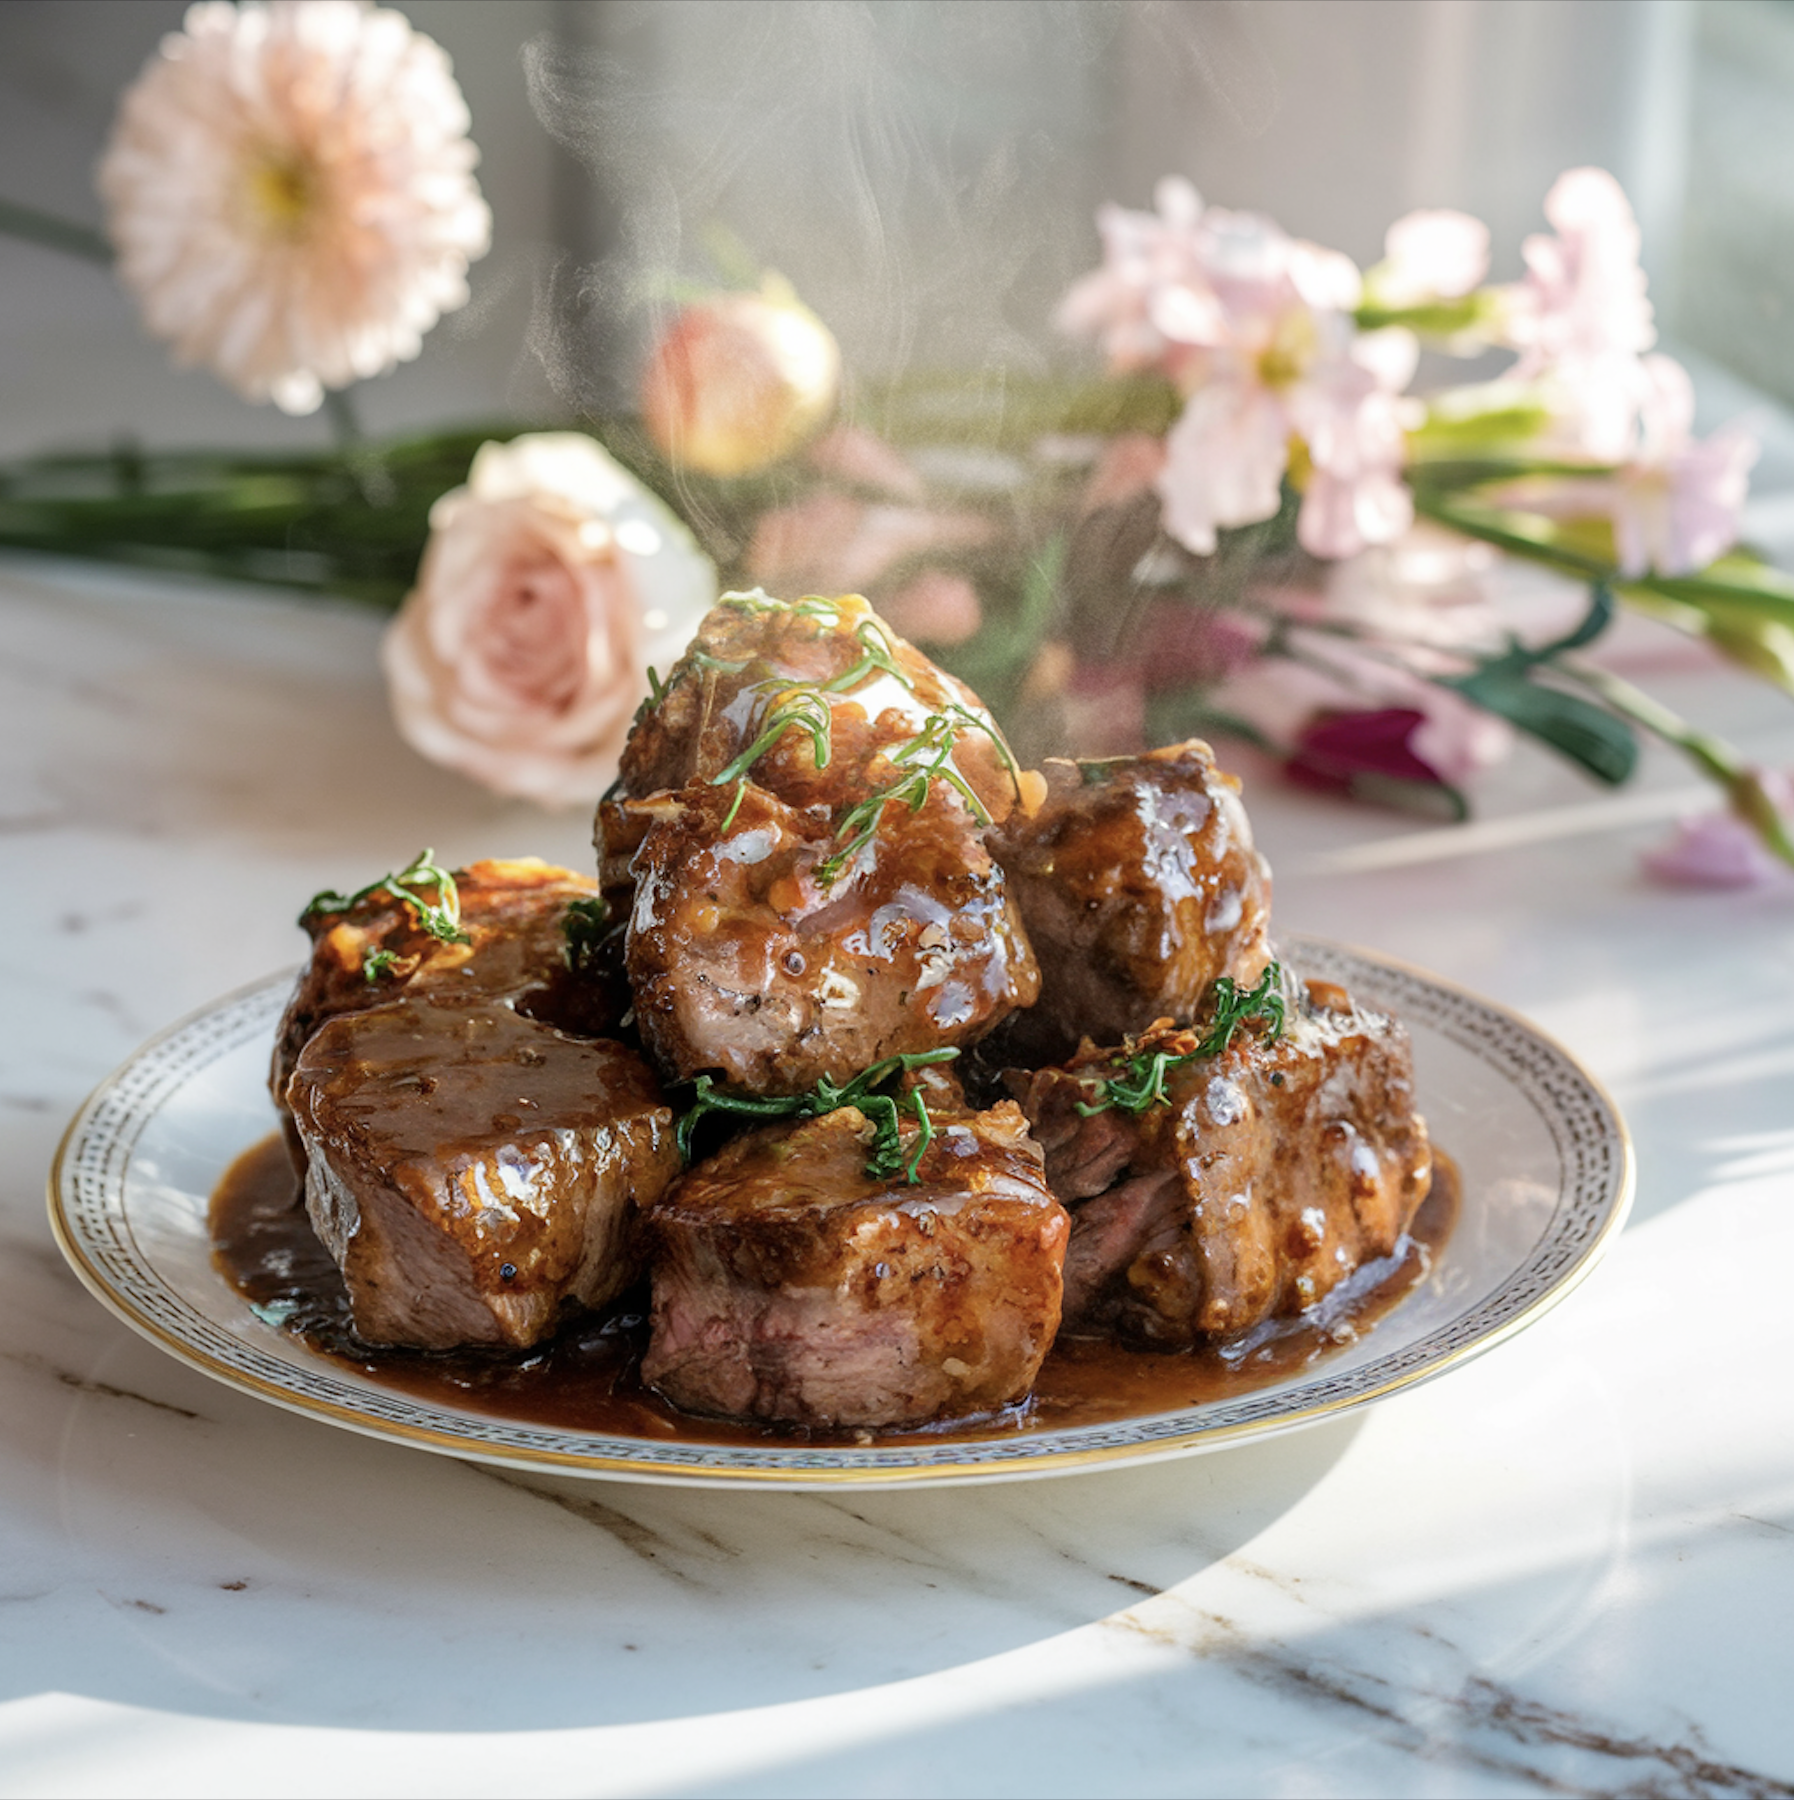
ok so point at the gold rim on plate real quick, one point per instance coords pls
(103, 1204)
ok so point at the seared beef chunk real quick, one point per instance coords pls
(1138, 885)
(751, 655)
(513, 914)
(791, 1285)
(744, 962)
(1274, 1170)
(471, 1169)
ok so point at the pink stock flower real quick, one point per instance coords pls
(1127, 468)
(1580, 319)
(1676, 504)
(1152, 277)
(851, 453)
(1256, 329)
(834, 544)
(1437, 255)
(1719, 850)
(934, 607)
(1675, 501)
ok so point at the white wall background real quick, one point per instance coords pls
(926, 170)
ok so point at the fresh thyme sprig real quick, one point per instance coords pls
(584, 922)
(801, 709)
(884, 1158)
(1139, 1081)
(440, 917)
(875, 653)
(925, 759)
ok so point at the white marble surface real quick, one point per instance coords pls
(1568, 1567)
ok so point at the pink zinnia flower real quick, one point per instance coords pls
(290, 191)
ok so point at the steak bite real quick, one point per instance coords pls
(745, 960)
(792, 1285)
(472, 1171)
(1139, 886)
(834, 663)
(1268, 1174)
(506, 938)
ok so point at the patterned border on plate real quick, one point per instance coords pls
(89, 1209)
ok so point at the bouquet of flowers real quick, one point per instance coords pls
(1244, 522)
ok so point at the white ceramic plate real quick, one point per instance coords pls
(1546, 1162)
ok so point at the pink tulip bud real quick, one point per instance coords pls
(738, 381)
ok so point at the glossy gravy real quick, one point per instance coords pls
(585, 1378)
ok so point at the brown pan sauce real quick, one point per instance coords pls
(585, 1378)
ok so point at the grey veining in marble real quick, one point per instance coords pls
(1567, 1568)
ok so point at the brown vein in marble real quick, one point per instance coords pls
(104, 1390)
(639, 1540)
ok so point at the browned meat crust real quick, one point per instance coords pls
(749, 655)
(789, 1285)
(1274, 1172)
(471, 1170)
(742, 962)
(1138, 885)
(512, 912)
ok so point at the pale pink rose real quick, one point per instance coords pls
(834, 544)
(1438, 255)
(737, 381)
(852, 454)
(552, 582)
(934, 607)
(290, 191)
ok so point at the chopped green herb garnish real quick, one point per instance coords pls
(875, 653)
(801, 709)
(377, 963)
(735, 804)
(584, 922)
(1139, 1080)
(885, 1158)
(925, 759)
(440, 917)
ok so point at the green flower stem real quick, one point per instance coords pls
(1713, 756)
(36, 227)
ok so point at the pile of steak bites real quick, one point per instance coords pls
(884, 1059)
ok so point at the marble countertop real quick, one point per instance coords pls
(1568, 1567)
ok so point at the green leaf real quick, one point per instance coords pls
(1574, 727)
